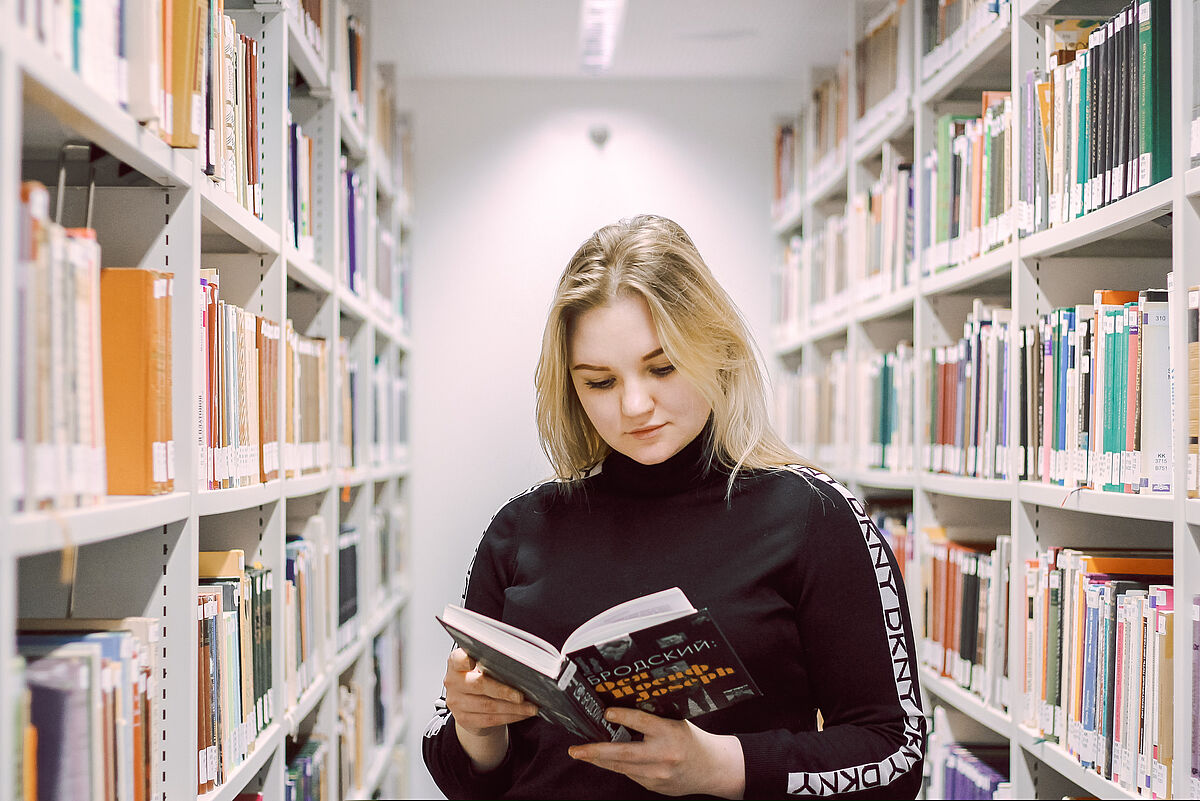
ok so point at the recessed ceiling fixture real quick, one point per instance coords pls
(599, 27)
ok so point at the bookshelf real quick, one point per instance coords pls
(1130, 243)
(155, 207)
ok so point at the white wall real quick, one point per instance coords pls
(507, 185)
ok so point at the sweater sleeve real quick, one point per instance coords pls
(490, 573)
(854, 624)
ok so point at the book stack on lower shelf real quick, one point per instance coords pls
(1099, 662)
(306, 640)
(234, 638)
(92, 708)
(309, 771)
(964, 770)
(894, 519)
(965, 617)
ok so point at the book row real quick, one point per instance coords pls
(309, 774)
(93, 395)
(1099, 655)
(233, 614)
(967, 385)
(93, 367)
(239, 432)
(1095, 394)
(830, 110)
(352, 261)
(1099, 117)
(881, 231)
(966, 770)
(306, 639)
(301, 222)
(310, 17)
(967, 184)
(231, 143)
(885, 410)
(965, 612)
(813, 406)
(877, 57)
(377, 694)
(814, 284)
(90, 714)
(948, 28)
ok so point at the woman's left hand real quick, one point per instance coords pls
(674, 758)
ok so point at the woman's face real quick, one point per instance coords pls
(638, 402)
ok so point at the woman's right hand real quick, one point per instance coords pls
(481, 705)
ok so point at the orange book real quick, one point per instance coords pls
(29, 772)
(135, 345)
(992, 97)
(185, 82)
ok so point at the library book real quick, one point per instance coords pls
(656, 653)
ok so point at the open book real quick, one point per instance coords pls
(656, 653)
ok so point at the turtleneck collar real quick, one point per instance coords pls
(688, 469)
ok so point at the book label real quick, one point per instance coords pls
(158, 452)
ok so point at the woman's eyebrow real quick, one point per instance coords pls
(654, 354)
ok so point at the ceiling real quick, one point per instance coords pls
(664, 39)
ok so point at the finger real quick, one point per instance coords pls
(629, 754)
(460, 661)
(641, 721)
(482, 684)
(483, 704)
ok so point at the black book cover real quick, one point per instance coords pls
(1134, 111)
(1094, 68)
(1115, 172)
(679, 669)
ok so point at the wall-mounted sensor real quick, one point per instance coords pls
(599, 135)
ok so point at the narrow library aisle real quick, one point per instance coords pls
(273, 281)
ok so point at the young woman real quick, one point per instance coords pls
(651, 406)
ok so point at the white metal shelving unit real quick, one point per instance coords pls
(1135, 242)
(138, 555)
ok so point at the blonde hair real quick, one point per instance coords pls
(698, 326)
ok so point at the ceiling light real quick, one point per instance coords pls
(600, 24)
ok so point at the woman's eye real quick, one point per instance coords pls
(604, 384)
(664, 370)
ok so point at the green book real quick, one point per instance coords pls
(948, 127)
(1154, 74)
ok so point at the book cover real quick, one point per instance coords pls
(135, 322)
(687, 669)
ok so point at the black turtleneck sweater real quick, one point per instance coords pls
(793, 571)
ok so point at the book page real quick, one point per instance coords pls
(520, 645)
(637, 613)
